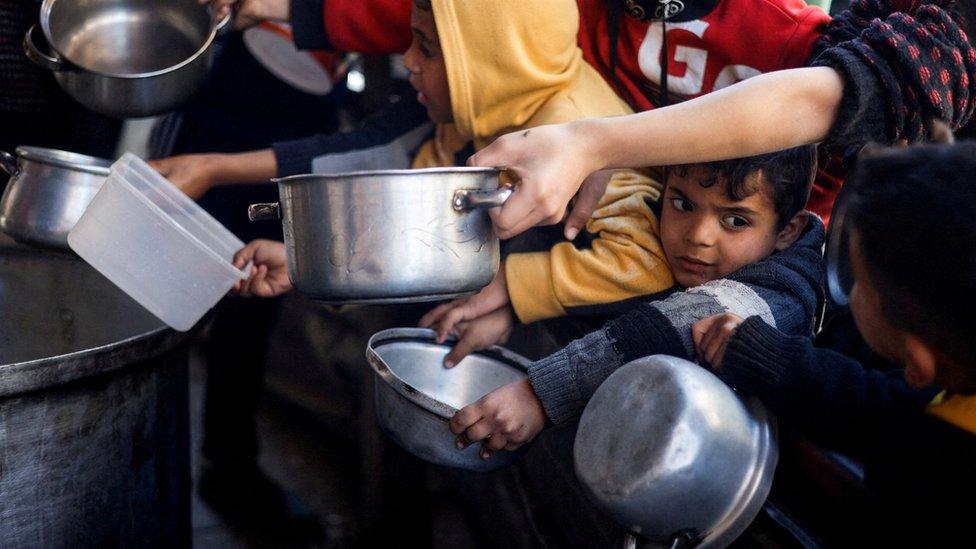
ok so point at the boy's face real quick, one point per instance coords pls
(882, 336)
(426, 65)
(706, 235)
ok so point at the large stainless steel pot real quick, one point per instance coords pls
(47, 193)
(94, 427)
(126, 58)
(389, 236)
(416, 397)
(671, 452)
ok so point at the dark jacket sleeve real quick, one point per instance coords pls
(784, 289)
(830, 397)
(396, 120)
(903, 62)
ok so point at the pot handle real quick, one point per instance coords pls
(264, 212)
(469, 199)
(9, 163)
(49, 62)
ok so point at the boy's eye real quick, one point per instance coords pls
(425, 51)
(681, 204)
(735, 222)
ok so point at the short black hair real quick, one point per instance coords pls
(788, 174)
(423, 5)
(914, 211)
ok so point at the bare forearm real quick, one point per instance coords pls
(765, 113)
(254, 167)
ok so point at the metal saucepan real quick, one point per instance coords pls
(47, 193)
(391, 236)
(416, 396)
(673, 454)
(126, 58)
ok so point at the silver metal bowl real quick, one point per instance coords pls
(416, 397)
(47, 193)
(668, 450)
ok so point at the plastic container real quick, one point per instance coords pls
(156, 244)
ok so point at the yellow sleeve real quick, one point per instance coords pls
(625, 260)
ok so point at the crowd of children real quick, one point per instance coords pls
(716, 256)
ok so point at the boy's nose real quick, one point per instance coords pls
(700, 233)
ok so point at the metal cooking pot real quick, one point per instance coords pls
(47, 193)
(126, 58)
(391, 236)
(671, 453)
(416, 397)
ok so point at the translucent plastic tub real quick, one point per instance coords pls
(156, 244)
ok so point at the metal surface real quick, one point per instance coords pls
(666, 448)
(388, 236)
(416, 396)
(94, 446)
(840, 273)
(47, 193)
(126, 58)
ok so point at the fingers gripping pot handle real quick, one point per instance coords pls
(468, 199)
(264, 212)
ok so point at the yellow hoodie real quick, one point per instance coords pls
(514, 64)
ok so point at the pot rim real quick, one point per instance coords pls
(300, 178)
(48, 5)
(65, 159)
(411, 393)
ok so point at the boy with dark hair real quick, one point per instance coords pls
(717, 219)
(913, 253)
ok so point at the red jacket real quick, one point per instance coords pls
(738, 39)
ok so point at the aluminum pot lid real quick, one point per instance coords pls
(411, 361)
(65, 159)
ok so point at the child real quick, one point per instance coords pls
(913, 253)
(484, 67)
(717, 220)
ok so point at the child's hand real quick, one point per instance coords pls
(445, 317)
(481, 333)
(505, 418)
(194, 174)
(711, 336)
(269, 275)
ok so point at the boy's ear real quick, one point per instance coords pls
(788, 235)
(920, 360)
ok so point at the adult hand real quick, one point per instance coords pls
(194, 174)
(507, 417)
(269, 274)
(711, 336)
(549, 163)
(248, 13)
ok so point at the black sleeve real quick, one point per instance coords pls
(308, 25)
(396, 120)
(903, 63)
(831, 398)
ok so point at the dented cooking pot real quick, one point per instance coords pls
(393, 236)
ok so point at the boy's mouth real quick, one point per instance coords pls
(693, 264)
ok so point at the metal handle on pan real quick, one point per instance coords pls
(49, 62)
(9, 163)
(264, 211)
(469, 199)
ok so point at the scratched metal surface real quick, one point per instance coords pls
(390, 237)
(93, 411)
